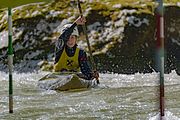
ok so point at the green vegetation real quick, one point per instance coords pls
(171, 1)
(105, 9)
(68, 8)
(15, 3)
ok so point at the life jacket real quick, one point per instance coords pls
(66, 63)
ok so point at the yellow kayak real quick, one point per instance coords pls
(65, 81)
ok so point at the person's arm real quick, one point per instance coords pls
(85, 66)
(68, 31)
(62, 40)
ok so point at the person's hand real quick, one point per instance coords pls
(80, 20)
(96, 74)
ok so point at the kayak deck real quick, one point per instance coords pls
(64, 82)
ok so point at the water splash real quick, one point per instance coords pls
(127, 97)
(168, 116)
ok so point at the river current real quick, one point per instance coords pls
(118, 97)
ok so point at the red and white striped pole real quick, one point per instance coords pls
(160, 52)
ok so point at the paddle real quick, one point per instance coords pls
(85, 32)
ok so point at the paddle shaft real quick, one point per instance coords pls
(85, 32)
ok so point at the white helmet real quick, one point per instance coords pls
(75, 31)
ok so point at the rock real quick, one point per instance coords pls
(122, 37)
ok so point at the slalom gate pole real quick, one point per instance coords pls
(10, 60)
(160, 52)
(85, 32)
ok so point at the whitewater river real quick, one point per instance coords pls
(127, 97)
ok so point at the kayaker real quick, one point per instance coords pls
(70, 58)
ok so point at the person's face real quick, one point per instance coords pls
(72, 41)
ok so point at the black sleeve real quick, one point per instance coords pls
(85, 66)
(67, 32)
(62, 40)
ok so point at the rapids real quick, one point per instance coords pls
(119, 96)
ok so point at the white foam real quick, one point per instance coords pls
(168, 116)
